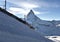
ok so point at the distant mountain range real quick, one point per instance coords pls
(42, 26)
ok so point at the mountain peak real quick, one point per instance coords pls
(31, 12)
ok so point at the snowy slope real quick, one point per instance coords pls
(11, 30)
(42, 26)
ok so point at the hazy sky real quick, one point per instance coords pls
(44, 9)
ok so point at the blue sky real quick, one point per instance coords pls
(44, 9)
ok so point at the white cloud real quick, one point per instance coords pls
(33, 4)
(23, 11)
(23, 4)
(36, 12)
(25, 7)
(18, 10)
(28, 5)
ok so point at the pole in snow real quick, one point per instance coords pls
(5, 4)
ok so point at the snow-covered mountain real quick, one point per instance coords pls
(13, 29)
(42, 26)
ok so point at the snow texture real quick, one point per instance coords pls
(11, 30)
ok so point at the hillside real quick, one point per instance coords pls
(14, 30)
